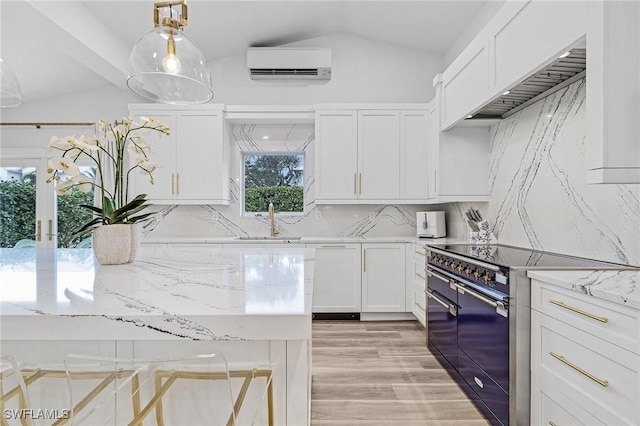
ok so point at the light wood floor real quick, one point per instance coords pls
(381, 373)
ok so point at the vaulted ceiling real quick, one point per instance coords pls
(58, 47)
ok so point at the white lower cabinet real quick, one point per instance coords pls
(383, 277)
(337, 282)
(582, 368)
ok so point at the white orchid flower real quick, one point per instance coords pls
(89, 144)
(65, 165)
(146, 166)
(63, 186)
(85, 183)
(58, 143)
(101, 125)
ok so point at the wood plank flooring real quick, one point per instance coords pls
(379, 374)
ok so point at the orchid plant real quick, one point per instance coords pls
(109, 151)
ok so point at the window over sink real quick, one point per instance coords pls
(274, 177)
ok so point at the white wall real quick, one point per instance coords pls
(481, 19)
(362, 71)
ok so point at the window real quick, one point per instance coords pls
(276, 178)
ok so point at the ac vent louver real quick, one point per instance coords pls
(289, 63)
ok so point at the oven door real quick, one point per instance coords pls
(442, 325)
(483, 332)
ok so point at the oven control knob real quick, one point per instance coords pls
(477, 274)
(460, 268)
(468, 271)
(487, 278)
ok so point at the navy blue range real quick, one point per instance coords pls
(478, 320)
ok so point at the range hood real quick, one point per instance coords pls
(560, 73)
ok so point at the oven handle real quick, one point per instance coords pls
(438, 276)
(465, 290)
(489, 266)
(431, 296)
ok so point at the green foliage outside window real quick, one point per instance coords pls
(18, 213)
(284, 198)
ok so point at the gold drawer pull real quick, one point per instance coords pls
(420, 253)
(579, 311)
(420, 306)
(601, 382)
(421, 277)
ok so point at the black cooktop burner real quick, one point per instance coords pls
(517, 257)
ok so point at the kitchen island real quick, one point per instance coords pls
(252, 305)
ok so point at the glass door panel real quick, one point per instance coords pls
(18, 223)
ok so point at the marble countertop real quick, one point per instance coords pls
(178, 293)
(294, 240)
(620, 287)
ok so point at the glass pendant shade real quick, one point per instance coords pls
(165, 66)
(11, 95)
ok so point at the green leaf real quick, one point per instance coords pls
(88, 226)
(92, 208)
(139, 218)
(108, 206)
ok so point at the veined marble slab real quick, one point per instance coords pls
(190, 293)
(615, 286)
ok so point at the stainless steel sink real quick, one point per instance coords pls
(278, 238)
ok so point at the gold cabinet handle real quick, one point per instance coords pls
(421, 276)
(601, 382)
(360, 185)
(355, 183)
(50, 233)
(579, 311)
(39, 230)
(421, 253)
(420, 306)
(364, 260)
(173, 183)
(177, 183)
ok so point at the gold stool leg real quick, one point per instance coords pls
(157, 397)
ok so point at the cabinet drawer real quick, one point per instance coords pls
(617, 324)
(550, 407)
(597, 373)
(419, 309)
(419, 274)
(419, 253)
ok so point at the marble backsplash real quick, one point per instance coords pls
(201, 221)
(539, 198)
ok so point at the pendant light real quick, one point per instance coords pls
(10, 93)
(165, 66)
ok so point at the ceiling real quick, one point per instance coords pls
(58, 47)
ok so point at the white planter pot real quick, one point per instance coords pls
(116, 244)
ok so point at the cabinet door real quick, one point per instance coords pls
(518, 45)
(378, 154)
(336, 155)
(337, 280)
(201, 157)
(414, 155)
(466, 82)
(163, 153)
(383, 278)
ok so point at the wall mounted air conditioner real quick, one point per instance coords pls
(289, 63)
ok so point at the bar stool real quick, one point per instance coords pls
(14, 402)
(188, 390)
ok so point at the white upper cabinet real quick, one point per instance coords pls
(459, 158)
(193, 162)
(336, 154)
(524, 36)
(414, 155)
(372, 155)
(613, 92)
(378, 154)
(466, 82)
